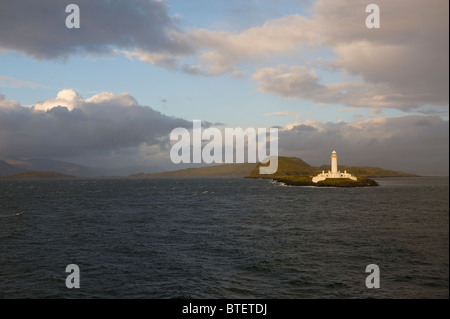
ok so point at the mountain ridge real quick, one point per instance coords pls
(8, 169)
(13, 166)
(220, 170)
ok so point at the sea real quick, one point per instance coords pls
(223, 238)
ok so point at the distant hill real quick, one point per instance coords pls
(223, 170)
(29, 175)
(13, 166)
(287, 166)
(8, 169)
(48, 165)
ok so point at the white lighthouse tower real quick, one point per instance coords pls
(334, 173)
(334, 169)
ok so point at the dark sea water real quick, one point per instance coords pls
(223, 238)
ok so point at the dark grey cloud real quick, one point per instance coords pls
(37, 28)
(408, 53)
(101, 124)
(416, 144)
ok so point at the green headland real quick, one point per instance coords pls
(291, 171)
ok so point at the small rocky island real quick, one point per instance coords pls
(329, 182)
(334, 177)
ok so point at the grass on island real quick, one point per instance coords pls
(296, 172)
(367, 171)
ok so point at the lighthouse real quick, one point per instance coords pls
(334, 168)
(334, 173)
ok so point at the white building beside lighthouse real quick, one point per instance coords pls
(334, 173)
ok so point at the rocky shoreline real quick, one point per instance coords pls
(329, 182)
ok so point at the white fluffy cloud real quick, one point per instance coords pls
(65, 98)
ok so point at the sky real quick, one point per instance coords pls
(110, 92)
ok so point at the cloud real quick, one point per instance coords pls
(224, 50)
(415, 74)
(37, 28)
(70, 126)
(417, 144)
(114, 129)
(168, 61)
(66, 98)
(220, 52)
(285, 113)
(299, 82)
(14, 83)
(402, 65)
